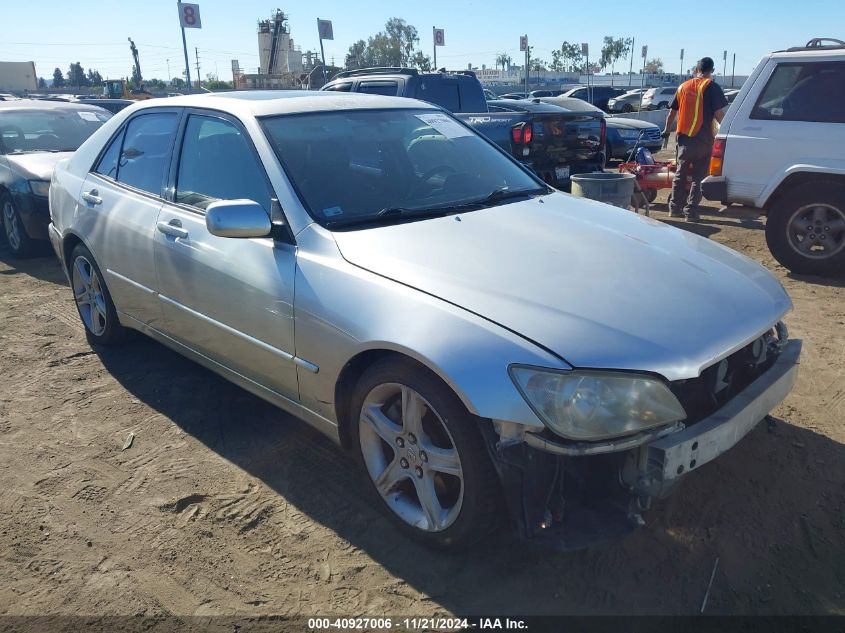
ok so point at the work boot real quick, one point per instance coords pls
(693, 217)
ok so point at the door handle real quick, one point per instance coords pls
(172, 228)
(92, 197)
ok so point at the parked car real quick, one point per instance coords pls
(791, 166)
(478, 341)
(34, 136)
(622, 134)
(659, 98)
(549, 141)
(112, 105)
(514, 95)
(595, 95)
(534, 94)
(628, 102)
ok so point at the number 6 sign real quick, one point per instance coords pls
(189, 16)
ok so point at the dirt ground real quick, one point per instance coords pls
(224, 505)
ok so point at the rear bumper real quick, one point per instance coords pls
(58, 247)
(715, 188)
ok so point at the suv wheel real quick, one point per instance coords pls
(627, 108)
(424, 455)
(664, 105)
(19, 242)
(805, 229)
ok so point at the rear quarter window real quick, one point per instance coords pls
(386, 88)
(803, 92)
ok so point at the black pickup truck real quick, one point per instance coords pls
(552, 141)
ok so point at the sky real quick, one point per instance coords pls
(94, 32)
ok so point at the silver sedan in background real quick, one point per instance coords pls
(486, 346)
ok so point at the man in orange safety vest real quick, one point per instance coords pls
(697, 103)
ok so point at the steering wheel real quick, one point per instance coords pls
(431, 173)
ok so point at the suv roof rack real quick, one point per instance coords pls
(818, 43)
(379, 70)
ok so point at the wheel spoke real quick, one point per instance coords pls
(386, 429)
(412, 412)
(806, 244)
(836, 225)
(85, 275)
(819, 214)
(443, 460)
(429, 502)
(392, 474)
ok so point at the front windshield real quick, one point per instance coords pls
(358, 165)
(53, 130)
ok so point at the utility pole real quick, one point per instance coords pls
(733, 71)
(631, 69)
(168, 71)
(197, 57)
(434, 45)
(725, 66)
(527, 67)
(681, 73)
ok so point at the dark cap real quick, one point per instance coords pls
(705, 65)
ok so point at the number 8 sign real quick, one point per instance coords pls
(189, 16)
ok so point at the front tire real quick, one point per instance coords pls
(627, 108)
(424, 455)
(21, 244)
(93, 301)
(805, 229)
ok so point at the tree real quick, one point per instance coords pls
(58, 78)
(612, 51)
(395, 46)
(76, 75)
(157, 84)
(654, 66)
(557, 62)
(538, 66)
(503, 60)
(421, 61)
(95, 78)
(41, 83)
(571, 56)
(136, 77)
(355, 56)
(216, 84)
(177, 82)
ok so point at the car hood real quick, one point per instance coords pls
(598, 286)
(628, 124)
(38, 165)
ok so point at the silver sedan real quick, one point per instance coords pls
(486, 346)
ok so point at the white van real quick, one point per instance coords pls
(781, 148)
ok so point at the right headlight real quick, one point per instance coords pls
(596, 405)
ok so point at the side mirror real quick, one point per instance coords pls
(237, 218)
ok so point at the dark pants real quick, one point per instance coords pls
(693, 162)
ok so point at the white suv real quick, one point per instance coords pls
(781, 148)
(659, 98)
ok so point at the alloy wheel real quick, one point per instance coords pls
(411, 457)
(88, 294)
(10, 222)
(817, 230)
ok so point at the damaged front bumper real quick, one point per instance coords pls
(571, 495)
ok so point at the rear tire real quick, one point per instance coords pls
(21, 244)
(423, 455)
(627, 108)
(664, 105)
(93, 301)
(805, 228)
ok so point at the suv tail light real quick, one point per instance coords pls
(717, 157)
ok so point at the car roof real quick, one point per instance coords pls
(271, 102)
(525, 105)
(572, 103)
(40, 104)
(828, 52)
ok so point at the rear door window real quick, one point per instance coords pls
(804, 92)
(107, 166)
(387, 88)
(440, 92)
(145, 154)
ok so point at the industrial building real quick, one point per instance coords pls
(281, 63)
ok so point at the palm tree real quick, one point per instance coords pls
(502, 59)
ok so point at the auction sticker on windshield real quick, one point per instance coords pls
(443, 124)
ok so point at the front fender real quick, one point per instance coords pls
(342, 310)
(822, 167)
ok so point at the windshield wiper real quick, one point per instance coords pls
(501, 194)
